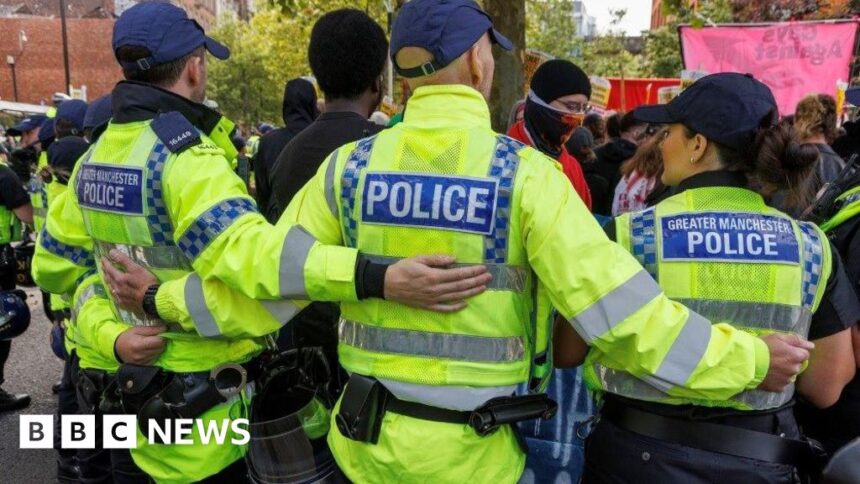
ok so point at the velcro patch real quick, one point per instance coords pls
(175, 131)
(111, 188)
(729, 237)
(461, 204)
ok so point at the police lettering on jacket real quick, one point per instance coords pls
(736, 237)
(463, 204)
(111, 188)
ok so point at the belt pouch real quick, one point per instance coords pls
(361, 409)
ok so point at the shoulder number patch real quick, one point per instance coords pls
(729, 237)
(461, 204)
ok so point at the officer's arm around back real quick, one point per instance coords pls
(240, 248)
(617, 308)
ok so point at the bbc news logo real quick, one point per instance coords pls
(120, 431)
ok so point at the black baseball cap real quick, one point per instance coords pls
(445, 28)
(27, 124)
(163, 29)
(727, 108)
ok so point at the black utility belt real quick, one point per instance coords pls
(92, 386)
(153, 393)
(365, 402)
(723, 439)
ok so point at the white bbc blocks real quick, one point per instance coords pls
(36, 432)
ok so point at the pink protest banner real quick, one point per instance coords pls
(794, 58)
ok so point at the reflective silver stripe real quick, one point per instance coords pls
(159, 257)
(40, 212)
(615, 307)
(86, 295)
(437, 345)
(294, 254)
(762, 400)
(330, 197)
(197, 309)
(753, 315)
(684, 355)
(453, 397)
(688, 344)
(505, 277)
(282, 311)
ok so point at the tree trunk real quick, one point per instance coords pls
(509, 18)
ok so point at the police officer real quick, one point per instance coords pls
(717, 248)
(27, 129)
(157, 187)
(15, 208)
(38, 193)
(97, 117)
(429, 398)
(839, 214)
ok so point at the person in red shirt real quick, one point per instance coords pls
(556, 105)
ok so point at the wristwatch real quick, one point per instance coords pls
(149, 306)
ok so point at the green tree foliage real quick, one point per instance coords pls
(609, 54)
(550, 28)
(662, 56)
(267, 51)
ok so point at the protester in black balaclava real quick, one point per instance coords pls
(556, 105)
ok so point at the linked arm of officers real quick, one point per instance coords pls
(616, 309)
(170, 264)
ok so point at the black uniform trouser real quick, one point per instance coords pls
(7, 283)
(100, 465)
(616, 455)
(67, 404)
(236, 472)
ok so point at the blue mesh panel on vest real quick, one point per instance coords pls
(212, 223)
(643, 240)
(812, 262)
(77, 255)
(356, 162)
(503, 167)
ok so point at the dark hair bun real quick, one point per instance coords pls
(782, 162)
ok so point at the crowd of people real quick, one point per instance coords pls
(404, 299)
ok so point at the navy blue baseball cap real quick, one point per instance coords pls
(163, 29)
(74, 111)
(27, 124)
(46, 134)
(98, 113)
(445, 28)
(852, 95)
(65, 153)
(728, 108)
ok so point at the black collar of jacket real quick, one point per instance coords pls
(719, 178)
(137, 101)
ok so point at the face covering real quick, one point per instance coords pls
(548, 127)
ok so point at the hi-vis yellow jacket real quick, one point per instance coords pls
(443, 181)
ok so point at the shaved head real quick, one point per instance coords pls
(474, 68)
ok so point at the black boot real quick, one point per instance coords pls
(11, 401)
(68, 472)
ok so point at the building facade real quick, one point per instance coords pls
(31, 43)
(586, 25)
